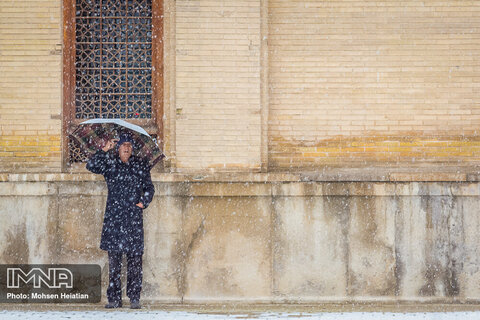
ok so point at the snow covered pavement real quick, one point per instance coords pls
(181, 315)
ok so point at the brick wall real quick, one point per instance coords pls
(30, 85)
(356, 82)
(349, 83)
(218, 84)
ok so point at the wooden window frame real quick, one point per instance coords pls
(153, 126)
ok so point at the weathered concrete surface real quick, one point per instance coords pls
(267, 241)
(163, 226)
(470, 277)
(28, 229)
(410, 235)
(310, 248)
(226, 248)
(371, 241)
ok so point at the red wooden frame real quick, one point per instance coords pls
(152, 126)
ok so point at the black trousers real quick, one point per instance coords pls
(134, 276)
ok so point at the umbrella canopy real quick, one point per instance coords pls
(93, 135)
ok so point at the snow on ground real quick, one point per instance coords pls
(179, 315)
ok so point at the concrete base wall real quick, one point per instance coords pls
(265, 241)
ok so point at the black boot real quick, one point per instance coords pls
(113, 305)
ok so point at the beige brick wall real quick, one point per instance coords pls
(349, 83)
(30, 85)
(217, 84)
(373, 81)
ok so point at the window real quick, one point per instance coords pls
(112, 65)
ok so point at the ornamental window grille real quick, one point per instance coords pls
(109, 63)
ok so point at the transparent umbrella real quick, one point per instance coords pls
(93, 135)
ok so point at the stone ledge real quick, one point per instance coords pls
(275, 189)
(374, 174)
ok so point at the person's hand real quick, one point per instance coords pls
(140, 205)
(109, 145)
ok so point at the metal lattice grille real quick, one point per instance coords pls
(113, 60)
(75, 152)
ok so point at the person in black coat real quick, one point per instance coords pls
(130, 190)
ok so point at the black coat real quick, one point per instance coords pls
(128, 184)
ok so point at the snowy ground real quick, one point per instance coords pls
(127, 314)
